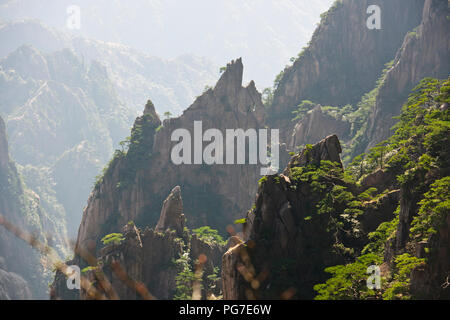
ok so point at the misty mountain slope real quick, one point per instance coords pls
(172, 84)
(24, 273)
(63, 119)
(345, 58)
(266, 33)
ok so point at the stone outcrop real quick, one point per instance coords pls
(329, 149)
(314, 126)
(433, 280)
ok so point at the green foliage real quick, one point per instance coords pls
(303, 108)
(433, 210)
(90, 268)
(169, 114)
(240, 221)
(316, 175)
(332, 201)
(209, 235)
(185, 278)
(115, 238)
(262, 181)
(367, 194)
(348, 282)
(423, 130)
(378, 238)
(213, 278)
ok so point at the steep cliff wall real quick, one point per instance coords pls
(298, 222)
(425, 53)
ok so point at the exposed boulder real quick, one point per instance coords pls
(425, 53)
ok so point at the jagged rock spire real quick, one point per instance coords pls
(230, 82)
(150, 109)
(172, 216)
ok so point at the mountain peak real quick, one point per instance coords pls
(329, 149)
(231, 79)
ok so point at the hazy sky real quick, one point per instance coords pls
(265, 33)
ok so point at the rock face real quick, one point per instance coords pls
(345, 58)
(137, 183)
(290, 225)
(279, 228)
(143, 266)
(339, 67)
(329, 149)
(425, 53)
(21, 269)
(63, 120)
